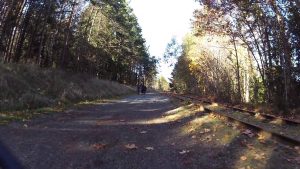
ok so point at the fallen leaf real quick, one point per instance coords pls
(131, 146)
(149, 148)
(193, 137)
(184, 152)
(143, 132)
(99, 146)
(25, 125)
(250, 146)
(259, 156)
(191, 130)
(243, 158)
(206, 130)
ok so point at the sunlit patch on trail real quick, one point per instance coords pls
(98, 102)
(149, 110)
(172, 115)
(147, 99)
(208, 128)
(277, 121)
(104, 122)
(254, 155)
(195, 124)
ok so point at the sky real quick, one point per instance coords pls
(160, 21)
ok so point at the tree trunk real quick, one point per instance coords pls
(67, 34)
(238, 69)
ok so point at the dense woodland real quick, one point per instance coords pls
(238, 51)
(101, 38)
(242, 51)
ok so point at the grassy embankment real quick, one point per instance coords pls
(28, 90)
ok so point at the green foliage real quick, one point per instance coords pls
(173, 51)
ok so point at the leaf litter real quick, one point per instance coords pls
(99, 146)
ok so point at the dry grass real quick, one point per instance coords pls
(29, 87)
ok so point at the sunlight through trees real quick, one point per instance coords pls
(242, 51)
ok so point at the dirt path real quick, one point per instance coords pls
(94, 137)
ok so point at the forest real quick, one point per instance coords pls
(100, 38)
(241, 52)
(80, 87)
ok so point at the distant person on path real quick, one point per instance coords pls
(144, 89)
(139, 88)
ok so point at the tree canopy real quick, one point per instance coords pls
(99, 37)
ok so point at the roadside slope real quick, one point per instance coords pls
(30, 87)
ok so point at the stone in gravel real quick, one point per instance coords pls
(143, 132)
(184, 152)
(149, 148)
(131, 146)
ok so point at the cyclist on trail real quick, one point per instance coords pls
(144, 89)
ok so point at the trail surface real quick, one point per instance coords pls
(131, 133)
